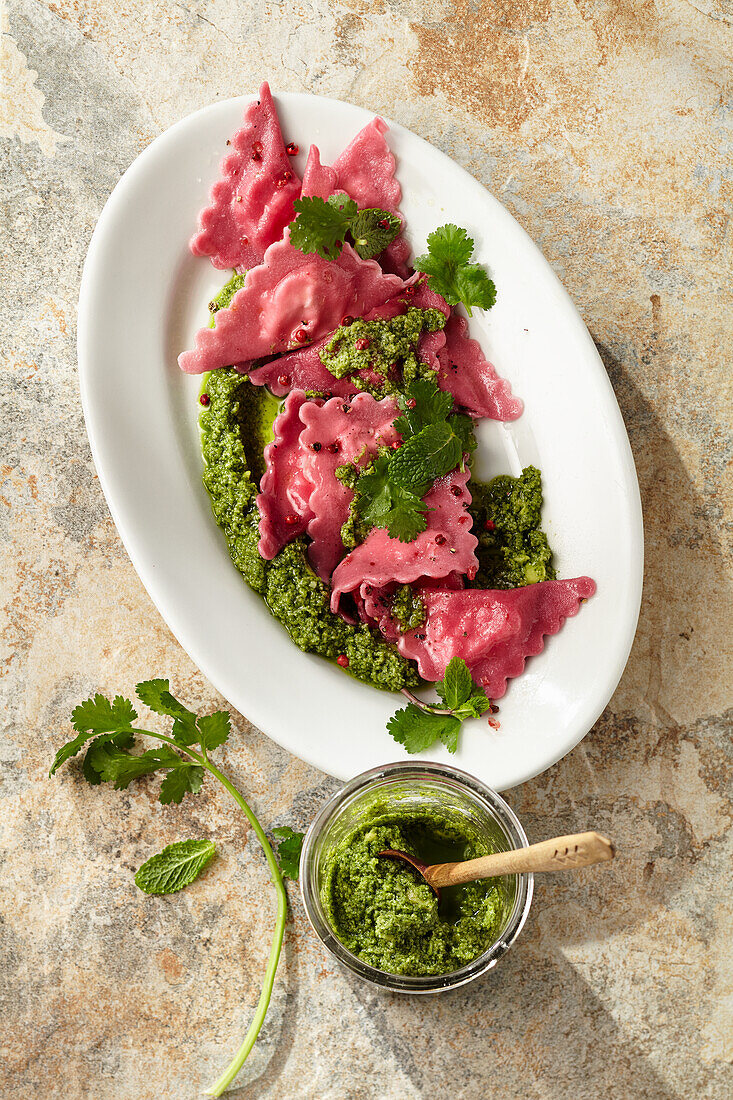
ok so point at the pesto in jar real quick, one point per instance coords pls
(387, 915)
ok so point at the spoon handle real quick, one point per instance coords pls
(561, 854)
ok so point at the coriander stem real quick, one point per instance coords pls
(282, 907)
(427, 707)
(176, 744)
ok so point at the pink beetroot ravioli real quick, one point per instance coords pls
(284, 489)
(290, 298)
(366, 172)
(493, 632)
(253, 201)
(445, 546)
(336, 433)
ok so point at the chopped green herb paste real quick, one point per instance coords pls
(512, 550)
(407, 610)
(235, 426)
(382, 911)
(388, 348)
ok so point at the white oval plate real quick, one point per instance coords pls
(142, 298)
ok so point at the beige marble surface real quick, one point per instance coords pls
(605, 127)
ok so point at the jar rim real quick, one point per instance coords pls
(404, 983)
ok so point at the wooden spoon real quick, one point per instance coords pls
(561, 854)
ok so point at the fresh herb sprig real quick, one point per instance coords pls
(104, 728)
(434, 440)
(322, 226)
(419, 725)
(451, 274)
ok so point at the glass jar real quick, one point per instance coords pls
(422, 785)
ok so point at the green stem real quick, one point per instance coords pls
(428, 708)
(282, 907)
(200, 758)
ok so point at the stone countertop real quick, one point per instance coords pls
(605, 128)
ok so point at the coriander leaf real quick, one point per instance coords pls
(374, 496)
(430, 454)
(423, 403)
(99, 715)
(451, 274)
(406, 519)
(184, 778)
(93, 716)
(321, 226)
(119, 740)
(417, 730)
(214, 729)
(156, 695)
(449, 733)
(116, 765)
(288, 850)
(473, 287)
(381, 503)
(175, 867)
(456, 684)
(449, 245)
(372, 230)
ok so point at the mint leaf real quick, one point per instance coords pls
(214, 729)
(462, 427)
(321, 226)
(372, 230)
(156, 695)
(456, 684)
(94, 716)
(451, 274)
(175, 867)
(432, 453)
(184, 778)
(288, 850)
(476, 705)
(417, 729)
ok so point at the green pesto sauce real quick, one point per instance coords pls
(382, 911)
(235, 427)
(390, 344)
(407, 610)
(514, 551)
(355, 529)
(223, 299)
